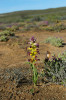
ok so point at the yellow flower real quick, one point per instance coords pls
(33, 56)
(29, 48)
(30, 54)
(33, 50)
(35, 53)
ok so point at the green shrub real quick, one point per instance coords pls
(6, 33)
(49, 28)
(25, 29)
(54, 41)
(55, 70)
(21, 24)
(3, 38)
(30, 27)
(2, 27)
(54, 18)
(63, 17)
(36, 18)
(13, 28)
(43, 23)
(57, 28)
(62, 56)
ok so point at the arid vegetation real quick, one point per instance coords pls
(48, 28)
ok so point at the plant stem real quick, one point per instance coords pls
(34, 75)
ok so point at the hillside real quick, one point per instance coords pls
(20, 16)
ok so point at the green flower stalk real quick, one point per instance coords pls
(32, 52)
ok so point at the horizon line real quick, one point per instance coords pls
(31, 10)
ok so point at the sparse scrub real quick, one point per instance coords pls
(43, 23)
(56, 27)
(37, 18)
(2, 27)
(58, 42)
(21, 24)
(6, 33)
(22, 16)
(30, 27)
(63, 18)
(3, 38)
(54, 18)
(13, 28)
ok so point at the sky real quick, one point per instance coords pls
(17, 5)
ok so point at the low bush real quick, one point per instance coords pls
(2, 27)
(62, 56)
(30, 27)
(53, 18)
(57, 28)
(37, 18)
(55, 70)
(43, 23)
(63, 17)
(21, 24)
(6, 33)
(13, 28)
(3, 38)
(58, 42)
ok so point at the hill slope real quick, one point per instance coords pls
(27, 14)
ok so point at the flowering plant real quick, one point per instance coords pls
(55, 69)
(33, 51)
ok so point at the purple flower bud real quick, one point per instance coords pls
(54, 58)
(59, 58)
(33, 39)
(38, 51)
(28, 53)
(35, 56)
(38, 59)
(37, 45)
(30, 46)
(29, 60)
